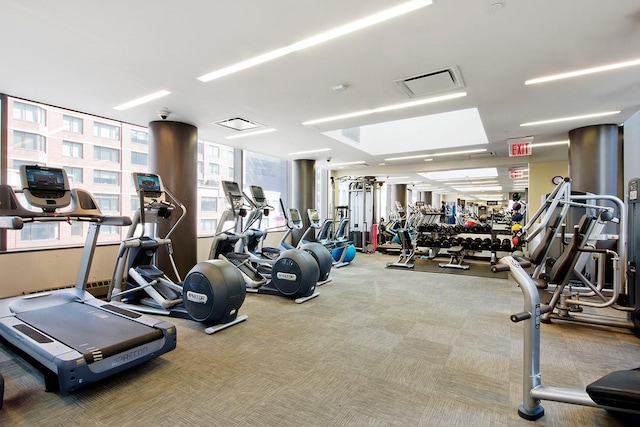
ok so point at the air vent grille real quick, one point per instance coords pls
(432, 82)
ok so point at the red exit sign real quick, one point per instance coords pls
(520, 147)
(516, 174)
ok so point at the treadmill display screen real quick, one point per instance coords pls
(232, 189)
(149, 183)
(44, 179)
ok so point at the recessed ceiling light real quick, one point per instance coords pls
(567, 119)
(387, 108)
(258, 132)
(319, 150)
(142, 100)
(583, 72)
(334, 33)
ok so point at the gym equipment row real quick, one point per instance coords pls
(90, 339)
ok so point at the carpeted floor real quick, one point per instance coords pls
(373, 349)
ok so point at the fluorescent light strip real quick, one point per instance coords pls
(387, 108)
(319, 150)
(450, 153)
(486, 188)
(258, 132)
(550, 144)
(326, 36)
(142, 100)
(359, 162)
(583, 72)
(567, 119)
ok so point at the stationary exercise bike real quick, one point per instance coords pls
(211, 293)
(293, 274)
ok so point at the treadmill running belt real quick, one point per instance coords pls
(95, 333)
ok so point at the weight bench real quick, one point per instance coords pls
(457, 255)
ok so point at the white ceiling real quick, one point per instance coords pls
(92, 56)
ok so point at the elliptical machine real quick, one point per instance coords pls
(320, 253)
(293, 274)
(264, 254)
(211, 293)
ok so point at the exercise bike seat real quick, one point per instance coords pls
(619, 389)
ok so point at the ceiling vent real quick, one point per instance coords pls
(238, 123)
(432, 82)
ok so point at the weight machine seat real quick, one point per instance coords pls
(565, 262)
(619, 389)
(537, 256)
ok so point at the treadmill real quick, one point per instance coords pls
(74, 338)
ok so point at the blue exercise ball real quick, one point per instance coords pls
(348, 257)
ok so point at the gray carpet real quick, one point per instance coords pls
(373, 350)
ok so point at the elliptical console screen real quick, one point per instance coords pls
(150, 183)
(258, 194)
(313, 216)
(232, 189)
(295, 215)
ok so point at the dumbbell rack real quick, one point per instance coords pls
(480, 241)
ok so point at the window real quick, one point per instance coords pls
(199, 168)
(135, 203)
(72, 149)
(108, 202)
(29, 113)
(106, 177)
(138, 158)
(76, 229)
(209, 204)
(104, 130)
(213, 151)
(39, 231)
(29, 141)
(72, 124)
(74, 174)
(200, 148)
(231, 173)
(139, 137)
(208, 225)
(214, 168)
(271, 174)
(106, 154)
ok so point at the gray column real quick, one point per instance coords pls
(595, 164)
(172, 155)
(595, 160)
(303, 191)
(426, 197)
(398, 193)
